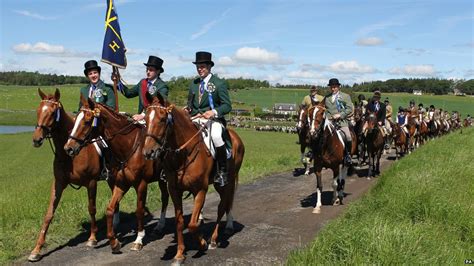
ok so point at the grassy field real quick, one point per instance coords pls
(420, 212)
(26, 177)
(18, 103)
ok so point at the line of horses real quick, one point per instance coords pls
(169, 144)
(320, 134)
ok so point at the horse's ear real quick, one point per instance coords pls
(84, 102)
(57, 95)
(149, 97)
(41, 94)
(161, 99)
(91, 103)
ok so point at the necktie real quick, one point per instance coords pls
(201, 90)
(93, 87)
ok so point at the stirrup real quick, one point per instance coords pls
(347, 160)
(104, 174)
(220, 180)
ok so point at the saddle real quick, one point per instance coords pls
(206, 136)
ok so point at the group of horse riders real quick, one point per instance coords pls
(208, 99)
(435, 120)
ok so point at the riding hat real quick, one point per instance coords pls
(432, 106)
(377, 94)
(203, 58)
(313, 88)
(400, 109)
(386, 100)
(420, 105)
(90, 65)
(412, 101)
(156, 62)
(334, 82)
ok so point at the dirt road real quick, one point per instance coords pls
(272, 217)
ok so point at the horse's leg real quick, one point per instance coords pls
(177, 198)
(140, 212)
(92, 193)
(341, 181)
(319, 189)
(55, 196)
(335, 176)
(369, 172)
(114, 201)
(221, 209)
(116, 219)
(229, 226)
(164, 205)
(193, 225)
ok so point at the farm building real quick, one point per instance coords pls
(417, 92)
(284, 108)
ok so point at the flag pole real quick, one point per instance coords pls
(115, 74)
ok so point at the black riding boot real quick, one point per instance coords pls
(221, 158)
(106, 160)
(347, 152)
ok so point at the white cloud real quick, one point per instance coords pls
(259, 56)
(414, 70)
(39, 47)
(27, 13)
(301, 74)
(349, 67)
(206, 27)
(412, 51)
(369, 41)
(225, 61)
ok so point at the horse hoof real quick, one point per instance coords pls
(116, 249)
(34, 257)
(317, 210)
(212, 246)
(306, 173)
(178, 262)
(91, 243)
(136, 247)
(336, 202)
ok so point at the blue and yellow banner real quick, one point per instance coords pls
(113, 51)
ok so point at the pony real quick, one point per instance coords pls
(375, 144)
(328, 151)
(303, 135)
(189, 166)
(125, 139)
(359, 118)
(54, 123)
(401, 140)
(413, 131)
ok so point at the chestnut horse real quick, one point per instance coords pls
(401, 140)
(125, 140)
(189, 166)
(375, 144)
(84, 170)
(328, 151)
(303, 135)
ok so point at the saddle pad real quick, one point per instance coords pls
(210, 145)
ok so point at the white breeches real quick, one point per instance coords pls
(215, 128)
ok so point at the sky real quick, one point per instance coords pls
(285, 42)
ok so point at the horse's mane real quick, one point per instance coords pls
(117, 116)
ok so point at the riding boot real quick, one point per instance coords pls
(221, 157)
(347, 152)
(106, 159)
(387, 144)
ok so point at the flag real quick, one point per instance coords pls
(113, 50)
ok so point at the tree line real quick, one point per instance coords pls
(24, 78)
(429, 85)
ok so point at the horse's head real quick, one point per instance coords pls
(358, 113)
(159, 120)
(302, 115)
(316, 117)
(82, 133)
(371, 119)
(48, 114)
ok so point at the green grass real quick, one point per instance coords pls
(420, 212)
(26, 177)
(18, 103)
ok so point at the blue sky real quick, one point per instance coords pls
(287, 42)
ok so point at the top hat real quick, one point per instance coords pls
(377, 94)
(155, 61)
(203, 58)
(89, 65)
(333, 82)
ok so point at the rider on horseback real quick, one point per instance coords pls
(402, 121)
(103, 93)
(375, 106)
(338, 107)
(313, 98)
(208, 103)
(413, 112)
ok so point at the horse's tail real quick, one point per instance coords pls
(239, 151)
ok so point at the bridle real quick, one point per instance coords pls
(88, 139)
(48, 129)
